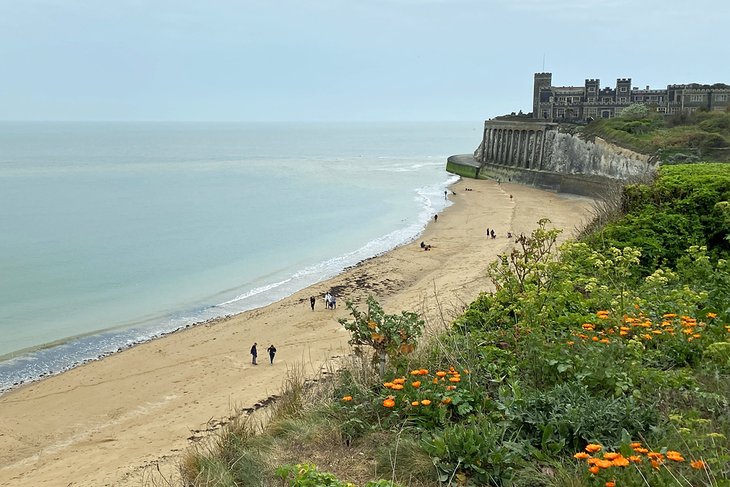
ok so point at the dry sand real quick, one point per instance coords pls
(110, 422)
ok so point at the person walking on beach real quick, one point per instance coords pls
(327, 300)
(311, 302)
(272, 352)
(333, 301)
(253, 354)
(446, 193)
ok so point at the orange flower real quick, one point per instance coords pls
(347, 398)
(655, 464)
(425, 402)
(424, 371)
(570, 343)
(712, 315)
(593, 448)
(415, 403)
(594, 470)
(635, 459)
(450, 388)
(399, 380)
(387, 385)
(697, 464)
(588, 326)
(604, 340)
(416, 372)
(446, 400)
(435, 380)
(620, 461)
(416, 384)
(610, 483)
(441, 373)
(389, 402)
(603, 463)
(581, 455)
(397, 387)
(595, 339)
(454, 379)
(611, 455)
(640, 450)
(675, 456)
(655, 455)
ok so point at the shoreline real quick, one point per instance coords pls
(123, 339)
(107, 421)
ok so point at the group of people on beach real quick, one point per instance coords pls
(254, 353)
(330, 301)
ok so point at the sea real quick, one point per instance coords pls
(115, 233)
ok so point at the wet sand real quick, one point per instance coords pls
(110, 422)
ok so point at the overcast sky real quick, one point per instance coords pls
(339, 60)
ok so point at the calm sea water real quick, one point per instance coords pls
(113, 233)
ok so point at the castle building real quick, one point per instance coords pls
(590, 101)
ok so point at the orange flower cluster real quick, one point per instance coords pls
(596, 463)
(643, 327)
(446, 378)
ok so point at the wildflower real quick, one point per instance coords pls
(424, 371)
(697, 464)
(669, 315)
(416, 384)
(595, 339)
(397, 387)
(450, 388)
(635, 459)
(611, 455)
(347, 398)
(446, 400)
(454, 379)
(594, 470)
(593, 448)
(570, 342)
(399, 380)
(640, 450)
(441, 373)
(389, 402)
(604, 340)
(655, 464)
(611, 483)
(712, 315)
(435, 380)
(416, 372)
(621, 461)
(696, 335)
(675, 456)
(657, 332)
(601, 463)
(587, 326)
(415, 403)
(655, 455)
(425, 402)
(387, 385)
(581, 455)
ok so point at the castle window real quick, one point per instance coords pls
(623, 88)
(591, 89)
(622, 99)
(720, 97)
(696, 97)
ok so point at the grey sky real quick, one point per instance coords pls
(338, 59)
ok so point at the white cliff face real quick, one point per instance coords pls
(568, 154)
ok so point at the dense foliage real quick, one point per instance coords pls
(682, 137)
(604, 364)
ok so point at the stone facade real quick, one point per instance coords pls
(590, 101)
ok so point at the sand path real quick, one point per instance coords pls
(110, 422)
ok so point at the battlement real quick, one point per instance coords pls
(623, 80)
(593, 80)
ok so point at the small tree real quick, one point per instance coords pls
(387, 334)
(635, 111)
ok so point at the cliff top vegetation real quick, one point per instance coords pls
(679, 138)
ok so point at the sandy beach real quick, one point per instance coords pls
(110, 422)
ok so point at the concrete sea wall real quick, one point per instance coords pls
(539, 154)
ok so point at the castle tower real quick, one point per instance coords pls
(623, 91)
(542, 81)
